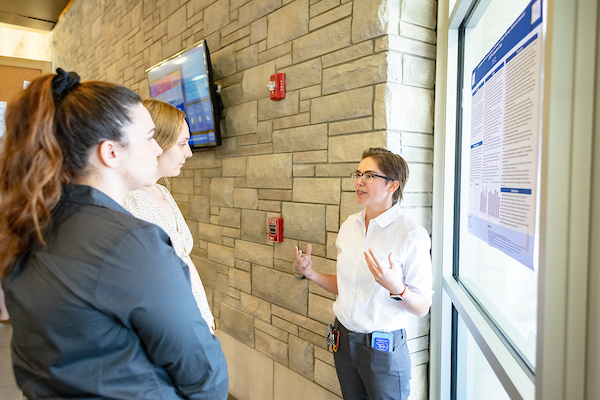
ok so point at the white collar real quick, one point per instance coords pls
(385, 218)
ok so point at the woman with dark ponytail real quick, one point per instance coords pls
(100, 303)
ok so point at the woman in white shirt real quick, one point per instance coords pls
(383, 273)
(155, 204)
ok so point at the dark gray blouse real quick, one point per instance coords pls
(106, 311)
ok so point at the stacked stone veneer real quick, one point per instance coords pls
(359, 74)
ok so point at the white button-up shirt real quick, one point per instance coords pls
(363, 305)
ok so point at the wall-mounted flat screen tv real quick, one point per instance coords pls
(185, 81)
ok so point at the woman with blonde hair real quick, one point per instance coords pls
(99, 302)
(155, 204)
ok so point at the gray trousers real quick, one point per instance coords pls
(368, 374)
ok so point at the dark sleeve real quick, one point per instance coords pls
(146, 286)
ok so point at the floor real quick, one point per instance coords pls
(8, 387)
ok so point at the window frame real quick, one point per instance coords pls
(567, 122)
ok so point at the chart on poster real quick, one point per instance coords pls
(504, 141)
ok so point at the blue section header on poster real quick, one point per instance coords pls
(527, 43)
(514, 190)
(495, 72)
(478, 89)
(519, 30)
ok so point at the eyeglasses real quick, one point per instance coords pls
(367, 177)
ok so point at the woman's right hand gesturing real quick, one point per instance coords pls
(303, 265)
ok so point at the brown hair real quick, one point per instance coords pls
(51, 129)
(168, 122)
(392, 165)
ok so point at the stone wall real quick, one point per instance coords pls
(360, 74)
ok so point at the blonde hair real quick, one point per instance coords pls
(168, 121)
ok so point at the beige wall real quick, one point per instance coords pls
(360, 73)
(22, 43)
(593, 316)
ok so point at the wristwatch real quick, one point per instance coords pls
(399, 297)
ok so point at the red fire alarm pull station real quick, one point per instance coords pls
(277, 86)
(275, 229)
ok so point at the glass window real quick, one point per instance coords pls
(475, 377)
(504, 285)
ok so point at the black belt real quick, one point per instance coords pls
(366, 336)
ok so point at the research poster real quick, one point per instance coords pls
(2, 120)
(504, 141)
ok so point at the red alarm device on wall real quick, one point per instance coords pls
(275, 229)
(277, 86)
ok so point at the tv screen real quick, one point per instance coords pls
(185, 81)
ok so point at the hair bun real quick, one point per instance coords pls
(63, 83)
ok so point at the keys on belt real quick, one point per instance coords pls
(332, 336)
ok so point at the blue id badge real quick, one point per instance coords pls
(382, 341)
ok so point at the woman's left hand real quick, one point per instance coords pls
(387, 276)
